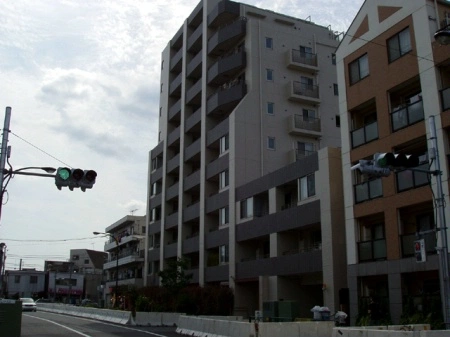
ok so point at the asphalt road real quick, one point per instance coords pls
(47, 324)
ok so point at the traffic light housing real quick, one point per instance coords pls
(75, 178)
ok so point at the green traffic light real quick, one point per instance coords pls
(63, 173)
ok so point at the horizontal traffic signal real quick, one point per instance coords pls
(383, 163)
(75, 178)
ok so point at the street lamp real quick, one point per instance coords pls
(117, 261)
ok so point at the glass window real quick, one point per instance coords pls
(333, 59)
(338, 121)
(269, 43)
(399, 45)
(223, 254)
(359, 69)
(223, 179)
(16, 279)
(247, 208)
(269, 74)
(224, 145)
(224, 219)
(307, 186)
(271, 143)
(336, 89)
(33, 279)
(270, 108)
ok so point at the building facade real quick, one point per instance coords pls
(125, 247)
(241, 180)
(393, 76)
(24, 283)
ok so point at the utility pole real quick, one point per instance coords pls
(443, 249)
(4, 148)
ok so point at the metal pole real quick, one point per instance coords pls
(443, 250)
(117, 272)
(3, 150)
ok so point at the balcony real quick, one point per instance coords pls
(408, 179)
(365, 134)
(226, 98)
(136, 282)
(193, 149)
(299, 154)
(194, 67)
(175, 111)
(213, 135)
(217, 166)
(194, 43)
(445, 99)
(369, 190)
(194, 94)
(192, 180)
(303, 93)
(217, 201)
(227, 37)
(175, 61)
(171, 221)
(372, 250)
(302, 61)
(191, 212)
(172, 191)
(300, 263)
(191, 245)
(170, 250)
(193, 120)
(216, 238)
(227, 67)
(217, 273)
(173, 163)
(408, 244)
(407, 115)
(304, 126)
(124, 259)
(175, 86)
(173, 137)
(225, 11)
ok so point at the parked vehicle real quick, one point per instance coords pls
(28, 304)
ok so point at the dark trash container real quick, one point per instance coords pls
(10, 318)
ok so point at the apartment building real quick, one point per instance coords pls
(243, 183)
(125, 246)
(392, 77)
(24, 283)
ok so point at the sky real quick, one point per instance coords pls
(82, 80)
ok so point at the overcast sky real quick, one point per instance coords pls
(82, 79)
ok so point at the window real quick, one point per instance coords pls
(305, 148)
(160, 111)
(162, 64)
(224, 144)
(155, 215)
(247, 208)
(306, 82)
(223, 254)
(308, 115)
(271, 143)
(333, 59)
(17, 279)
(75, 257)
(269, 74)
(154, 188)
(86, 261)
(269, 43)
(335, 89)
(307, 186)
(359, 69)
(399, 45)
(306, 52)
(338, 121)
(223, 214)
(223, 179)
(270, 106)
(156, 163)
(33, 279)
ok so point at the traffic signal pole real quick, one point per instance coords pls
(443, 250)
(4, 149)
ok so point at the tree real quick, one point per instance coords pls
(174, 276)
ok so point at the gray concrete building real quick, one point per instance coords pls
(245, 180)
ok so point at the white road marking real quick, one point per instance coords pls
(63, 326)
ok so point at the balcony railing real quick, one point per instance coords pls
(408, 243)
(407, 115)
(408, 179)
(302, 153)
(305, 122)
(372, 250)
(365, 134)
(445, 99)
(304, 58)
(303, 89)
(368, 190)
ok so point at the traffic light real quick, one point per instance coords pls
(368, 167)
(75, 178)
(419, 251)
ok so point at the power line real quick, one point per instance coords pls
(41, 150)
(49, 240)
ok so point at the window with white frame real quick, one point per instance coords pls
(271, 143)
(305, 148)
(247, 208)
(358, 69)
(309, 115)
(269, 74)
(223, 179)
(270, 108)
(223, 254)
(399, 45)
(307, 186)
(223, 214)
(224, 144)
(155, 214)
(156, 188)
(269, 43)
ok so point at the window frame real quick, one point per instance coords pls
(224, 179)
(269, 74)
(355, 78)
(271, 143)
(270, 108)
(247, 208)
(397, 40)
(269, 43)
(309, 182)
